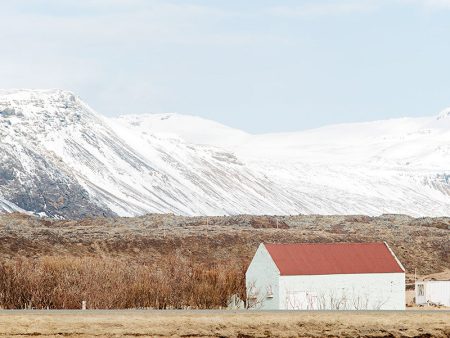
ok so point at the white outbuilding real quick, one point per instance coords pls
(434, 292)
(325, 276)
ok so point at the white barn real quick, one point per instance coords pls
(436, 292)
(325, 276)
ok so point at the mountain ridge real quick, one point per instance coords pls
(62, 159)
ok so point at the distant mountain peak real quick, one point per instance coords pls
(444, 114)
(24, 94)
(54, 107)
(38, 98)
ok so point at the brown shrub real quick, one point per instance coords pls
(107, 283)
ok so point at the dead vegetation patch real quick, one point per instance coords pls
(221, 244)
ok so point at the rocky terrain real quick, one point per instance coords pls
(421, 244)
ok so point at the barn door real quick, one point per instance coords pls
(420, 293)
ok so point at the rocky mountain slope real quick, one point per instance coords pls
(60, 158)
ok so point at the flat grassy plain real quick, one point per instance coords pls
(240, 324)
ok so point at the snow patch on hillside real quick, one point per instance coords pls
(191, 129)
(6, 206)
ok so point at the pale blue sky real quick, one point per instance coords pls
(261, 66)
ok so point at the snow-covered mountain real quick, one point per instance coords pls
(60, 158)
(392, 166)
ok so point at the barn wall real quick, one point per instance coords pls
(383, 291)
(436, 292)
(262, 279)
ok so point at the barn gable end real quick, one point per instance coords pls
(262, 280)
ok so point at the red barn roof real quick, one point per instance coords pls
(333, 258)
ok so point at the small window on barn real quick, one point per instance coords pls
(420, 290)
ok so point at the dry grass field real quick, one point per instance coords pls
(223, 324)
